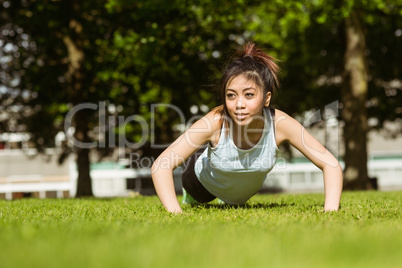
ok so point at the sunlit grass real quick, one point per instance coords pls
(269, 231)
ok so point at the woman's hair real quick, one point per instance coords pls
(254, 64)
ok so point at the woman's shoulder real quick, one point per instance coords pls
(215, 119)
(285, 126)
(208, 125)
(279, 112)
(215, 116)
(279, 116)
(282, 119)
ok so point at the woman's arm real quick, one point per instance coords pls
(177, 153)
(288, 129)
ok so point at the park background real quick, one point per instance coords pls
(341, 78)
(341, 70)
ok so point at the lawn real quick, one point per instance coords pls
(280, 230)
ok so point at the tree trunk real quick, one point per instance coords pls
(84, 184)
(76, 77)
(354, 112)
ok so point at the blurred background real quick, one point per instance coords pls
(341, 78)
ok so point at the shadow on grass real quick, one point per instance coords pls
(243, 206)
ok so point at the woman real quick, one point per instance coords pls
(242, 137)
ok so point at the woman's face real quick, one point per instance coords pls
(245, 100)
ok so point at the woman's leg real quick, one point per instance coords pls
(191, 183)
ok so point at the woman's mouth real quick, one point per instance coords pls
(240, 116)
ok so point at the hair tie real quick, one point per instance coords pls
(248, 55)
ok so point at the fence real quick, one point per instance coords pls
(27, 172)
(306, 177)
(113, 181)
(35, 183)
(285, 177)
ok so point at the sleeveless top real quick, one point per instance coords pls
(232, 174)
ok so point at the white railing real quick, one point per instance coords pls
(291, 177)
(288, 177)
(113, 182)
(295, 177)
(34, 183)
(388, 173)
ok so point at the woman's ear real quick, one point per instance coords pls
(267, 99)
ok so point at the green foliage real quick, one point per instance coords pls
(308, 37)
(137, 53)
(143, 52)
(278, 230)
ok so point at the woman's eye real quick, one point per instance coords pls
(230, 96)
(250, 95)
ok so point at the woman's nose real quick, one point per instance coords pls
(240, 103)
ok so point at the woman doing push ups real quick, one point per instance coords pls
(232, 148)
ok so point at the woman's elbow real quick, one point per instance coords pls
(161, 165)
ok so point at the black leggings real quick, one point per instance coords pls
(191, 183)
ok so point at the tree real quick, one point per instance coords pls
(354, 111)
(313, 38)
(56, 60)
(132, 54)
(365, 73)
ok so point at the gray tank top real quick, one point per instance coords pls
(234, 175)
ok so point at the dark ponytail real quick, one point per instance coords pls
(257, 54)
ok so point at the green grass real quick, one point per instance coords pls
(269, 231)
